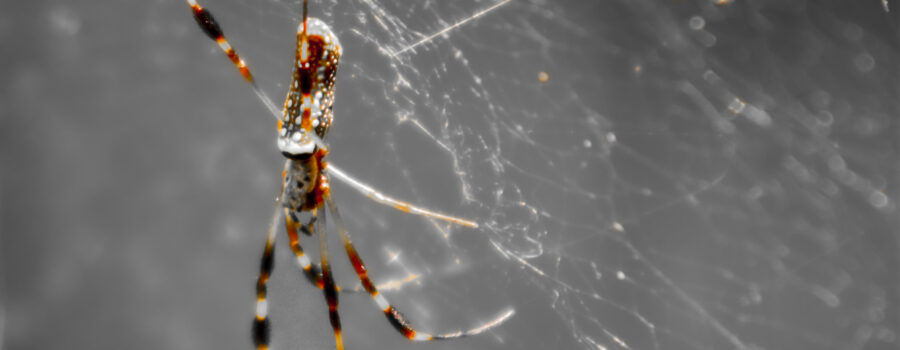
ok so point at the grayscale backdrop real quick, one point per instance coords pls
(689, 174)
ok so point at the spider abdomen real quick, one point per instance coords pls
(308, 105)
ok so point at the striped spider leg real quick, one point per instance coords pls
(302, 126)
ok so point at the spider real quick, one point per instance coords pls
(305, 192)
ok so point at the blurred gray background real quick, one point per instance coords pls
(688, 174)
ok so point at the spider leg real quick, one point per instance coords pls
(261, 322)
(330, 291)
(307, 228)
(312, 271)
(209, 26)
(393, 315)
(370, 192)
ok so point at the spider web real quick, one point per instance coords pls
(646, 175)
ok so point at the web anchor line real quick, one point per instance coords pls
(449, 28)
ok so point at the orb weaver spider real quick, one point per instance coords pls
(305, 192)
